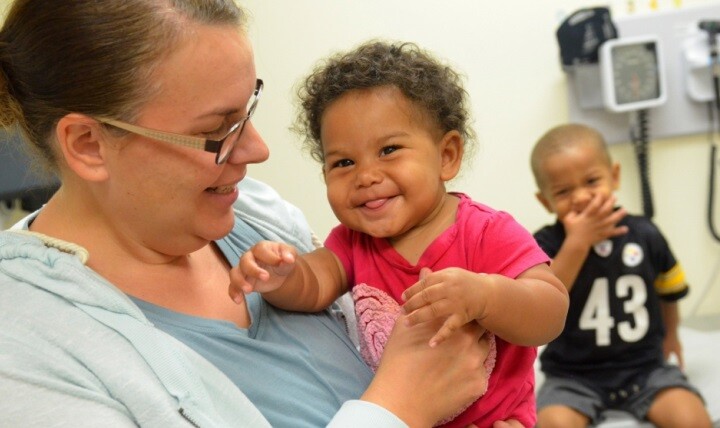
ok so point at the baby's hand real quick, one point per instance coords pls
(263, 268)
(448, 294)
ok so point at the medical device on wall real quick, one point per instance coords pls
(633, 80)
(631, 74)
(705, 87)
(700, 53)
(684, 52)
(623, 76)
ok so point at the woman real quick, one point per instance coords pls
(113, 300)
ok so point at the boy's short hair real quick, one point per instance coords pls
(561, 137)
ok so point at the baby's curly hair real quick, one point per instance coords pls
(420, 77)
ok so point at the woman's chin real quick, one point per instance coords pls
(219, 230)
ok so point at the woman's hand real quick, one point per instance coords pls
(423, 385)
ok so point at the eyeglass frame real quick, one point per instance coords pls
(200, 143)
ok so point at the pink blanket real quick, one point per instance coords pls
(376, 314)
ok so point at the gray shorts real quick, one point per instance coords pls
(634, 398)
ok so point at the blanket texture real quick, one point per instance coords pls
(376, 314)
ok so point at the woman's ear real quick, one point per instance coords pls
(451, 154)
(83, 146)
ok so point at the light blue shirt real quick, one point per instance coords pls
(76, 351)
(298, 369)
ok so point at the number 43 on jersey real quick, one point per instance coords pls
(596, 313)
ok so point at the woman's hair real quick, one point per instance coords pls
(95, 57)
(429, 84)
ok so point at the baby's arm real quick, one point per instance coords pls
(529, 310)
(598, 221)
(308, 282)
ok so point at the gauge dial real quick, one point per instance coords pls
(635, 73)
(631, 74)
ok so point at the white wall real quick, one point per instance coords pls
(509, 54)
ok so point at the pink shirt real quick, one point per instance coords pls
(482, 240)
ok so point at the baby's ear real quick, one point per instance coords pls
(82, 146)
(451, 154)
(543, 200)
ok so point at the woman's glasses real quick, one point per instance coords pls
(221, 147)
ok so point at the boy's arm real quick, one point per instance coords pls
(671, 342)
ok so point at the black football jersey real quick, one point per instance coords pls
(614, 322)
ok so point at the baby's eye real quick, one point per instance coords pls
(388, 149)
(561, 192)
(342, 163)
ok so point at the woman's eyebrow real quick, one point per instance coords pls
(221, 111)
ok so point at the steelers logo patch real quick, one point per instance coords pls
(603, 248)
(632, 255)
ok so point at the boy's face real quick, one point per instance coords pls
(385, 169)
(573, 176)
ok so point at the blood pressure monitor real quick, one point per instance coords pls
(631, 72)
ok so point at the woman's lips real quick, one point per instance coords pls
(222, 190)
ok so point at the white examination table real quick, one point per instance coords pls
(701, 347)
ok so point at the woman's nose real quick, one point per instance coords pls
(250, 147)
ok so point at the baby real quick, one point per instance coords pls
(388, 122)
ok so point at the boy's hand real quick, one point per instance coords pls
(263, 268)
(596, 222)
(672, 346)
(444, 294)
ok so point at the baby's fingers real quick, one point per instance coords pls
(418, 286)
(250, 267)
(422, 311)
(245, 275)
(273, 253)
(240, 285)
(419, 295)
(451, 324)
